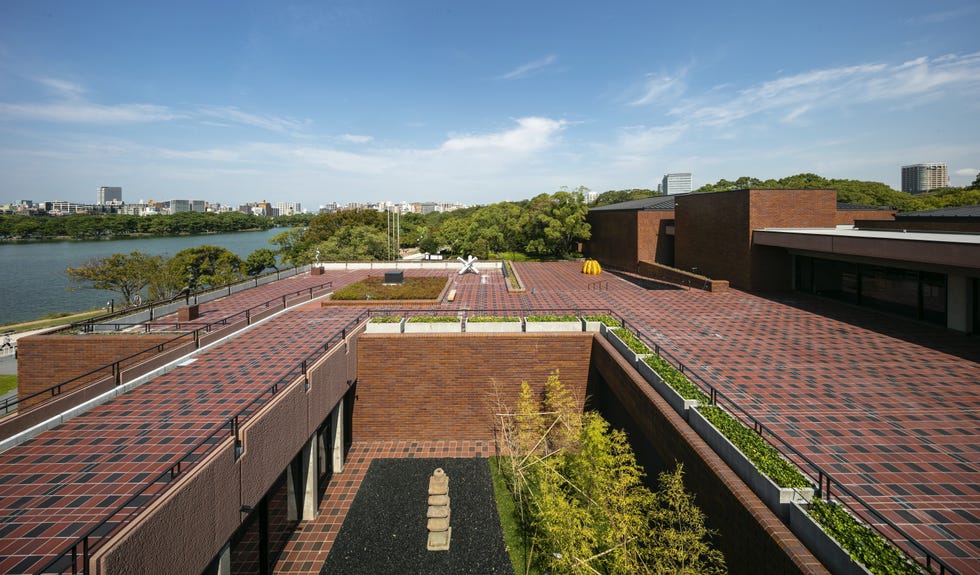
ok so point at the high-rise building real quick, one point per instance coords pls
(918, 178)
(110, 194)
(679, 183)
(287, 209)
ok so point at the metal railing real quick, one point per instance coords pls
(115, 369)
(75, 557)
(826, 486)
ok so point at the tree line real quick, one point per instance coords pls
(137, 275)
(848, 191)
(94, 226)
(548, 226)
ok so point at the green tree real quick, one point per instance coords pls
(352, 243)
(583, 500)
(618, 196)
(203, 267)
(677, 537)
(126, 274)
(555, 224)
(260, 260)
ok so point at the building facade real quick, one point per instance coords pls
(110, 194)
(919, 178)
(679, 183)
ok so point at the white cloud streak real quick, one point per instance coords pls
(793, 96)
(657, 88)
(271, 123)
(529, 69)
(87, 113)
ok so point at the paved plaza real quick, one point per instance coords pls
(886, 405)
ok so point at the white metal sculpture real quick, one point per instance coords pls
(469, 265)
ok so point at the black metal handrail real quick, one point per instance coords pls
(233, 426)
(115, 368)
(823, 479)
(83, 546)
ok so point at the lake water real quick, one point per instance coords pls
(33, 282)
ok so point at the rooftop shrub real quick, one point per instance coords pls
(492, 318)
(764, 456)
(552, 318)
(433, 319)
(632, 341)
(604, 319)
(865, 545)
(675, 379)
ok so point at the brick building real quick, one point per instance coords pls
(765, 240)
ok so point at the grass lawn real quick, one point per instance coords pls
(506, 508)
(7, 383)
(374, 288)
(52, 320)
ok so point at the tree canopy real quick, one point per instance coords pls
(859, 192)
(580, 495)
(126, 274)
(618, 196)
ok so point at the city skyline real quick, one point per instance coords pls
(475, 104)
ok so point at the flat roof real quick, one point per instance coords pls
(852, 232)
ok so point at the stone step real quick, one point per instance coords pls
(438, 511)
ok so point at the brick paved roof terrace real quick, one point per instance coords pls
(888, 406)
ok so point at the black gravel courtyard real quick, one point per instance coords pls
(385, 533)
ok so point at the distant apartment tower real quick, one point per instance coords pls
(288, 209)
(177, 206)
(919, 178)
(679, 183)
(109, 195)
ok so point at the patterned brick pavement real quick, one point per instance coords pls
(888, 406)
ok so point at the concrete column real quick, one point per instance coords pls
(958, 303)
(301, 479)
(337, 425)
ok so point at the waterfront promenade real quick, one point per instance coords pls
(888, 405)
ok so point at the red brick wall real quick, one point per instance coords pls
(714, 232)
(441, 386)
(713, 235)
(47, 360)
(614, 238)
(653, 245)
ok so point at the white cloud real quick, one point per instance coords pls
(657, 87)
(530, 68)
(794, 95)
(87, 113)
(63, 88)
(531, 134)
(969, 172)
(71, 108)
(356, 138)
(272, 123)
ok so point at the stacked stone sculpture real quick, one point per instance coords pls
(438, 515)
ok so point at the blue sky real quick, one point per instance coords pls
(370, 100)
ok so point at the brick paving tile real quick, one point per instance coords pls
(887, 406)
